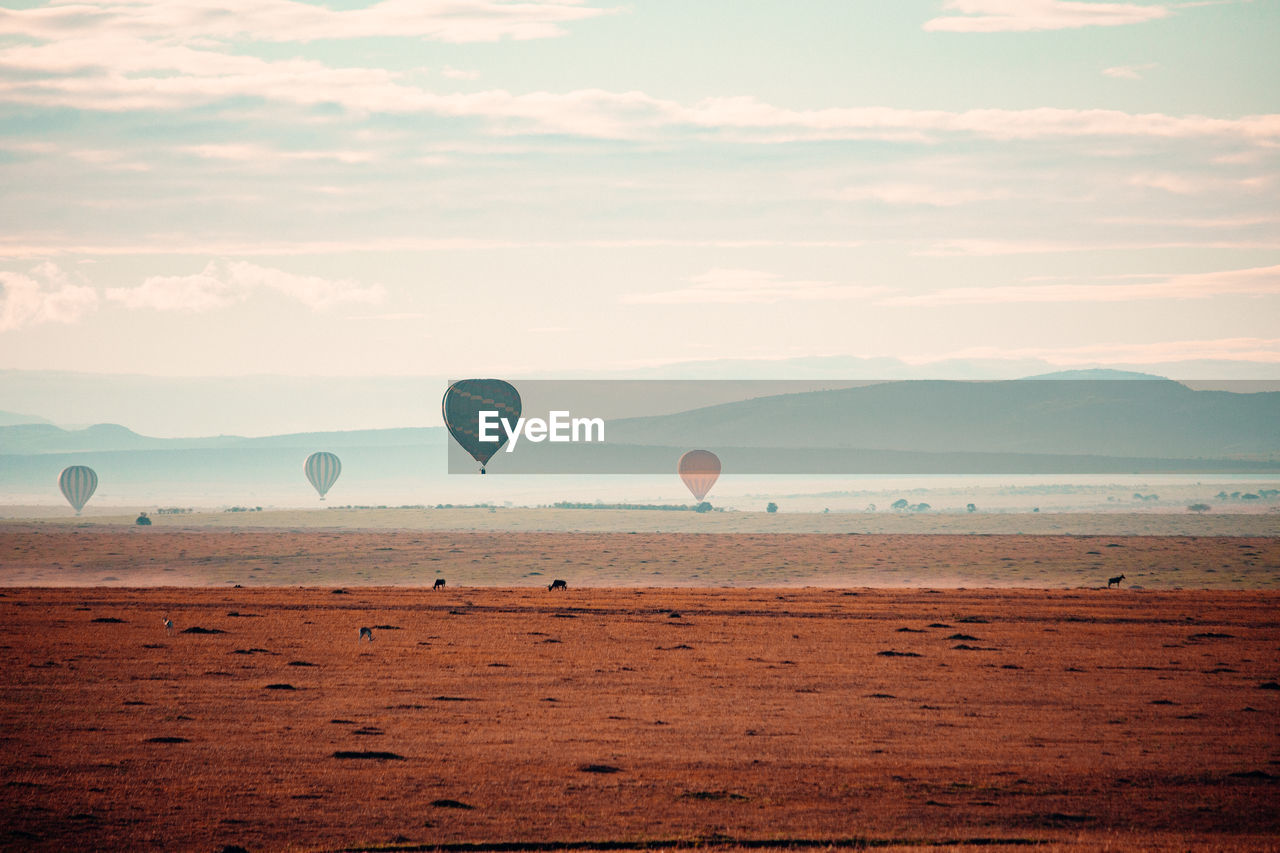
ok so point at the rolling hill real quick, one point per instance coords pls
(1141, 418)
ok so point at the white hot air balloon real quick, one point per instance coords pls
(78, 483)
(323, 470)
(699, 469)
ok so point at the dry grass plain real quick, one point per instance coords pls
(824, 705)
(54, 554)
(1084, 719)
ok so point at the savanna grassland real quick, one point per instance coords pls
(36, 553)
(727, 689)
(1089, 718)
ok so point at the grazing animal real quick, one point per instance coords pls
(365, 632)
(558, 584)
(1115, 582)
(439, 584)
(168, 625)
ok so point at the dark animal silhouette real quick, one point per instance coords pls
(439, 584)
(1115, 582)
(365, 632)
(558, 584)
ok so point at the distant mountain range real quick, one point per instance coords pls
(853, 367)
(272, 405)
(13, 418)
(38, 438)
(1057, 423)
(1142, 418)
(1075, 412)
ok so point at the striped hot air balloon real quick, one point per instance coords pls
(699, 469)
(78, 483)
(322, 470)
(462, 405)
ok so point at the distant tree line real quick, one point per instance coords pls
(1262, 494)
(705, 506)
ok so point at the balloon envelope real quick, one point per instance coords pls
(322, 470)
(78, 483)
(699, 469)
(462, 405)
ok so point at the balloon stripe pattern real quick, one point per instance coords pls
(462, 405)
(78, 483)
(323, 470)
(699, 469)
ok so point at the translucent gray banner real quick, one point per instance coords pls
(1029, 426)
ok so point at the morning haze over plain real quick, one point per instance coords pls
(371, 190)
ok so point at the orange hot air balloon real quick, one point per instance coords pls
(699, 469)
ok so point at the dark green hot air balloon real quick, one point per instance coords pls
(462, 405)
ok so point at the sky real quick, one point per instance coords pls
(472, 187)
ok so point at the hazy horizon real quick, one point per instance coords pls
(268, 405)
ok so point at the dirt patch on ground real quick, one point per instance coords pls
(1088, 718)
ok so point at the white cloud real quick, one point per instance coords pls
(1226, 349)
(992, 16)
(918, 194)
(459, 74)
(47, 295)
(1259, 281)
(173, 244)
(1234, 222)
(227, 282)
(1167, 181)
(18, 246)
(266, 156)
(288, 20)
(979, 248)
(741, 286)
(401, 315)
(1128, 72)
(1181, 184)
(189, 293)
(97, 63)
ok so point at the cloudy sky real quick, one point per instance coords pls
(454, 187)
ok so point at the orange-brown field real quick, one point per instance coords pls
(54, 554)
(1084, 718)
